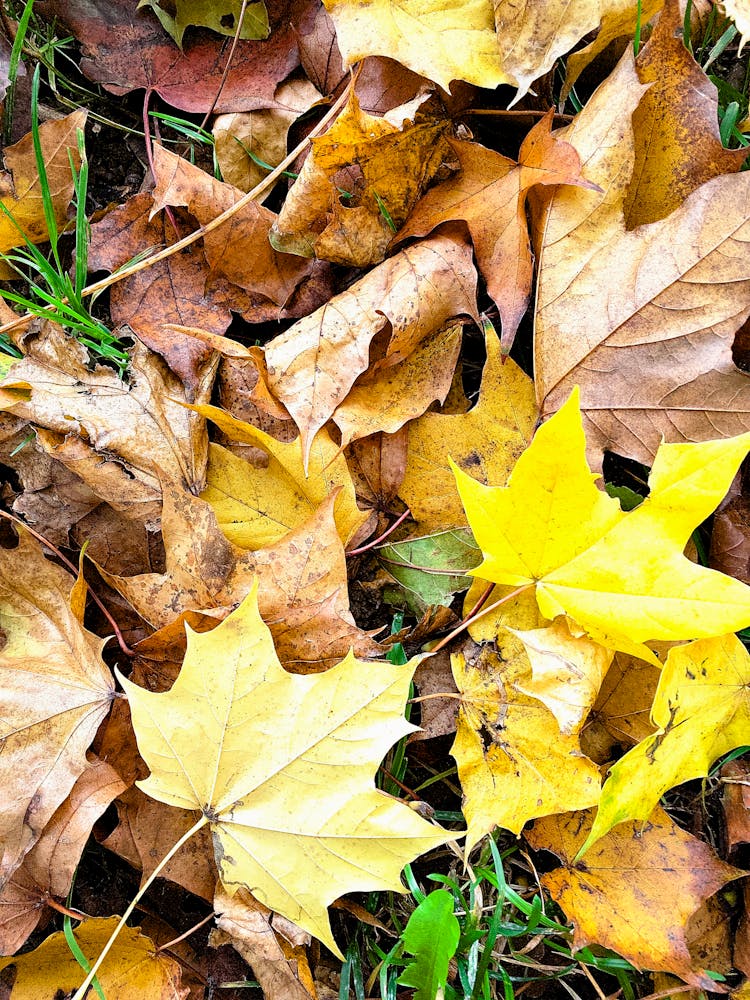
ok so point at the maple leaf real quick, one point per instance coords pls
(621, 577)
(656, 359)
(135, 968)
(56, 692)
(220, 17)
(282, 767)
(702, 711)
(383, 168)
(513, 761)
(627, 895)
(486, 441)
(313, 365)
(489, 194)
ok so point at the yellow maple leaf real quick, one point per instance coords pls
(282, 768)
(621, 577)
(702, 709)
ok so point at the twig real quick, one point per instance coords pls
(192, 930)
(209, 227)
(471, 618)
(225, 74)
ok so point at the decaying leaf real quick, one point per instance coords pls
(621, 577)
(636, 888)
(134, 969)
(701, 710)
(56, 692)
(358, 185)
(313, 365)
(293, 809)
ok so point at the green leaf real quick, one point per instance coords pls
(430, 569)
(431, 936)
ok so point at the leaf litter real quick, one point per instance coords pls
(320, 438)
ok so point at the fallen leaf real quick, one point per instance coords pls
(730, 534)
(50, 866)
(20, 188)
(430, 569)
(566, 672)
(133, 969)
(485, 441)
(246, 923)
(246, 772)
(315, 363)
(174, 291)
(192, 79)
(377, 465)
(489, 194)
(380, 168)
(57, 690)
(513, 762)
(146, 831)
(635, 890)
(621, 577)
(655, 360)
(702, 712)
(239, 250)
(735, 803)
(621, 714)
(303, 583)
(262, 133)
(450, 41)
(438, 716)
(738, 11)
(221, 17)
(118, 437)
(257, 506)
(384, 399)
(676, 126)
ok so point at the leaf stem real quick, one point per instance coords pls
(473, 617)
(83, 988)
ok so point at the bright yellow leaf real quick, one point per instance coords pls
(133, 970)
(282, 767)
(702, 709)
(621, 577)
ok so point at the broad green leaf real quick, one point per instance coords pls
(622, 577)
(218, 15)
(433, 568)
(702, 709)
(282, 766)
(431, 936)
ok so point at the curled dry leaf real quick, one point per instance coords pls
(625, 893)
(288, 791)
(56, 692)
(49, 867)
(134, 969)
(489, 194)
(313, 365)
(655, 361)
(486, 442)
(118, 437)
(21, 190)
(358, 184)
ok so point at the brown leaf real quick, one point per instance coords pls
(312, 366)
(655, 359)
(176, 290)
(735, 803)
(189, 79)
(433, 678)
(145, 833)
(48, 869)
(489, 194)
(676, 126)
(730, 535)
(246, 923)
(56, 690)
(303, 596)
(117, 437)
(635, 890)
(377, 466)
(382, 168)
(238, 251)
